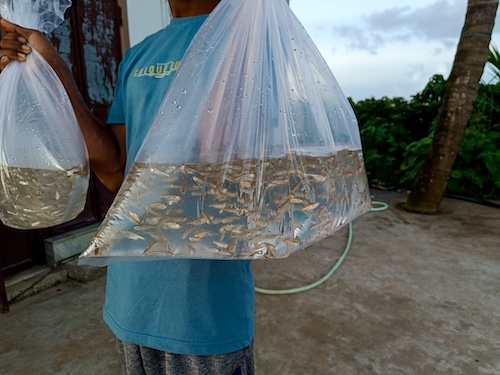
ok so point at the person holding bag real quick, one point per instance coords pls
(175, 316)
(254, 152)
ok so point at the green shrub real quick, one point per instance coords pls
(396, 135)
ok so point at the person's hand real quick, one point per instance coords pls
(18, 41)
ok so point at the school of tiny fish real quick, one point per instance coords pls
(247, 209)
(41, 198)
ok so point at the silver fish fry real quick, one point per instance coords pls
(246, 209)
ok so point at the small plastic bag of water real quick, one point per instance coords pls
(254, 154)
(44, 169)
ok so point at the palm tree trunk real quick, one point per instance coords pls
(460, 93)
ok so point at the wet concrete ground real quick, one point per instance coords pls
(416, 295)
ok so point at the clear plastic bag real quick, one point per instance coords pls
(44, 167)
(41, 15)
(254, 154)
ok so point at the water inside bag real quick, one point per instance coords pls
(249, 209)
(41, 198)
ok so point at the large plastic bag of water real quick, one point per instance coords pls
(44, 168)
(254, 154)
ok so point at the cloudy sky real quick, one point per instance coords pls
(386, 47)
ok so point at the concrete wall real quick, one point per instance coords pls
(145, 17)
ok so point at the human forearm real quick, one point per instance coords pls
(107, 159)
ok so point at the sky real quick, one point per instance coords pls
(386, 47)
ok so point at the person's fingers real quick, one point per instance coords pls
(13, 46)
(15, 42)
(12, 28)
(12, 37)
(13, 55)
(4, 60)
(35, 39)
(7, 26)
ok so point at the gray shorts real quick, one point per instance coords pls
(139, 360)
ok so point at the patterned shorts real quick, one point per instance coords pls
(140, 360)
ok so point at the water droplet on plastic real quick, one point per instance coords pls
(210, 110)
(179, 107)
(184, 92)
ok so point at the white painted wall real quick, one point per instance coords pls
(145, 17)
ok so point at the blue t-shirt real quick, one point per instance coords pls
(175, 305)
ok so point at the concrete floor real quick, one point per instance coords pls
(416, 295)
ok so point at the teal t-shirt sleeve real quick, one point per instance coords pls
(116, 114)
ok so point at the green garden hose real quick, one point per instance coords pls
(376, 207)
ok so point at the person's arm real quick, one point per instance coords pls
(106, 145)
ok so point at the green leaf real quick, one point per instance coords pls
(491, 166)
